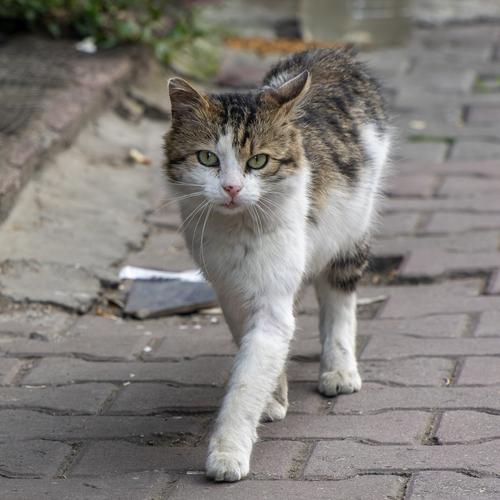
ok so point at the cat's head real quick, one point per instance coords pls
(235, 150)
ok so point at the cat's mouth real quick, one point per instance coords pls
(231, 204)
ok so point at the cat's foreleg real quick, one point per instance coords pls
(335, 288)
(257, 368)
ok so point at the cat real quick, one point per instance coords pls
(277, 189)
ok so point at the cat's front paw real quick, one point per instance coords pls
(274, 411)
(227, 466)
(339, 382)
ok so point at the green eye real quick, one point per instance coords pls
(208, 158)
(258, 161)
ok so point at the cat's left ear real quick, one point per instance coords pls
(288, 95)
(184, 98)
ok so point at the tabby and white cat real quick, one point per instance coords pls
(277, 189)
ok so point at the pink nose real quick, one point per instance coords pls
(232, 190)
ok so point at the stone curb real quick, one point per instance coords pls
(96, 82)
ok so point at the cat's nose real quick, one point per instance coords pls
(232, 190)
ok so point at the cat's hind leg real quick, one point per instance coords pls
(336, 292)
(278, 403)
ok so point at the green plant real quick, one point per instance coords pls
(170, 27)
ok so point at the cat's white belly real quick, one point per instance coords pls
(348, 218)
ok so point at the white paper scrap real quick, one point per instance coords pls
(141, 273)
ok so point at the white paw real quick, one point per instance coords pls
(274, 411)
(339, 382)
(227, 466)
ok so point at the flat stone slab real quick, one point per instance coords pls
(65, 285)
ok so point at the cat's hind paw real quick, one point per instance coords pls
(225, 466)
(339, 382)
(274, 411)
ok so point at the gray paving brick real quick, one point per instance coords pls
(449, 222)
(390, 347)
(480, 371)
(25, 425)
(473, 203)
(439, 325)
(343, 459)
(417, 185)
(46, 322)
(458, 167)
(8, 369)
(423, 151)
(359, 488)
(489, 325)
(482, 114)
(393, 224)
(466, 186)
(473, 150)
(431, 262)
(448, 485)
(389, 427)
(494, 284)
(91, 337)
(32, 458)
(192, 340)
(305, 398)
(82, 398)
(456, 296)
(143, 485)
(270, 459)
(419, 371)
(375, 397)
(146, 398)
(203, 370)
(464, 426)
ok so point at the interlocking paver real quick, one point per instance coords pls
(270, 459)
(418, 371)
(480, 371)
(475, 150)
(448, 485)
(126, 487)
(92, 337)
(343, 459)
(416, 185)
(361, 488)
(494, 284)
(432, 262)
(28, 425)
(464, 426)
(389, 427)
(448, 222)
(439, 325)
(8, 369)
(146, 398)
(390, 347)
(32, 458)
(376, 397)
(466, 186)
(48, 323)
(80, 398)
(489, 325)
(449, 297)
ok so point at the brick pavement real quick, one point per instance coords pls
(97, 406)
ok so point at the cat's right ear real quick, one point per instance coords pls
(184, 98)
